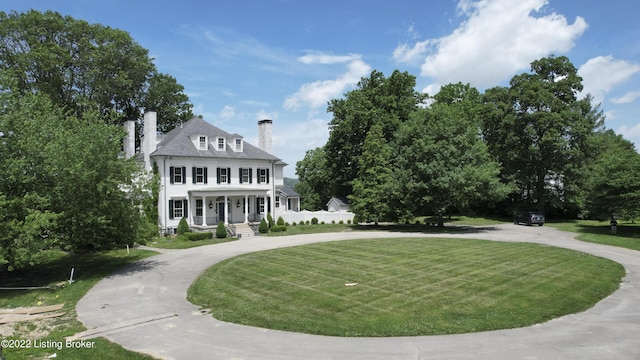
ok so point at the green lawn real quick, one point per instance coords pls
(54, 271)
(405, 287)
(628, 234)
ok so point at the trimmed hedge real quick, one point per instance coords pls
(183, 227)
(263, 228)
(278, 228)
(195, 236)
(221, 231)
(280, 221)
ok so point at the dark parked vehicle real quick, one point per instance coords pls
(529, 218)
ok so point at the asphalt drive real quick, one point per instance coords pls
(143, 307)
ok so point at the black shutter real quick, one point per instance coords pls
(171, 209)
(218, 174)
(193, 174)
(205, 175)
(267, 176)
(250, 175)
(240, 175)
(228, 175)
(171, 174)
(258, 176)
(184, 174)
(185, 208)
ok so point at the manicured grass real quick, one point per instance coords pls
(54, 271)
(628, 234)
(181, 242)
(405, 287)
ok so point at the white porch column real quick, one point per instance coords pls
(226, 210)
(246, 209)
(205, 207)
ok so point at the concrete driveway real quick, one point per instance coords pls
(143, 307)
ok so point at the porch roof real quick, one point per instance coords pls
(228, 191)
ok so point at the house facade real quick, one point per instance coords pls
(209, 176)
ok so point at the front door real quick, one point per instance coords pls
(221, 211)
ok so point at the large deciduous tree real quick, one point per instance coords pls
(86, 67)
(376, 100)
(541, 133)
(314, 177)
(442, 163)
(613, 181)
(63, 182)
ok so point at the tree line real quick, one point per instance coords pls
(66, 86)
(396, 153)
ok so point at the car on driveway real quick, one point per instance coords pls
(529, 218)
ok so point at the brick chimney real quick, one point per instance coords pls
(264, 135)
(149, 142)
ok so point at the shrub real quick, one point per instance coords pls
(293, 223)
(195, 236)
(349, 221)
(341, 222)
(263, 228)
(417, 222)
(356, 219)
(183, 227)
(278, 228)
(280, 221)
(269, 220)
(307, 222)
(333, 221)
(322, 223)
(314, 221)
(221, 230)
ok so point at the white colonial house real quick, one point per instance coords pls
(208, 175)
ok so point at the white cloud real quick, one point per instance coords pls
(227, 112)
(322, 58)
(629, 97)
(292, 141)
(498, 38)
(318, 93)
(602, 73)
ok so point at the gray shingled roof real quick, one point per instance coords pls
(177, 142)
(289, 192)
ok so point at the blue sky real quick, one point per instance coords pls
(241, 61)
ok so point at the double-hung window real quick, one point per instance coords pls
(263, 176)
(198, 207)
(220, 143)
(203, 142)
(199, 175)
(245, 176)
(178, 209)
(224, 175)
(177, 175)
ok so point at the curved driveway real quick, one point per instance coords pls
(143, 307)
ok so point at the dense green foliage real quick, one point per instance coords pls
(197, 236)
(263, 228)
(221, 230)
(613, 179)
(66, 87)
(65, 184)
(86, 67)
(183, 227)
(530, 146)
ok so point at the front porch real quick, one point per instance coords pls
(230, 206)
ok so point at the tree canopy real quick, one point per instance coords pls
(85, 67)
(528, 146)
(63, 182)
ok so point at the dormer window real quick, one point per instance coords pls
(203, 142)
(238, 146)
(220, 143)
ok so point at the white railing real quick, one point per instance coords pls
(327, 216)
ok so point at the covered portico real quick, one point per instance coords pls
(231, 206)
